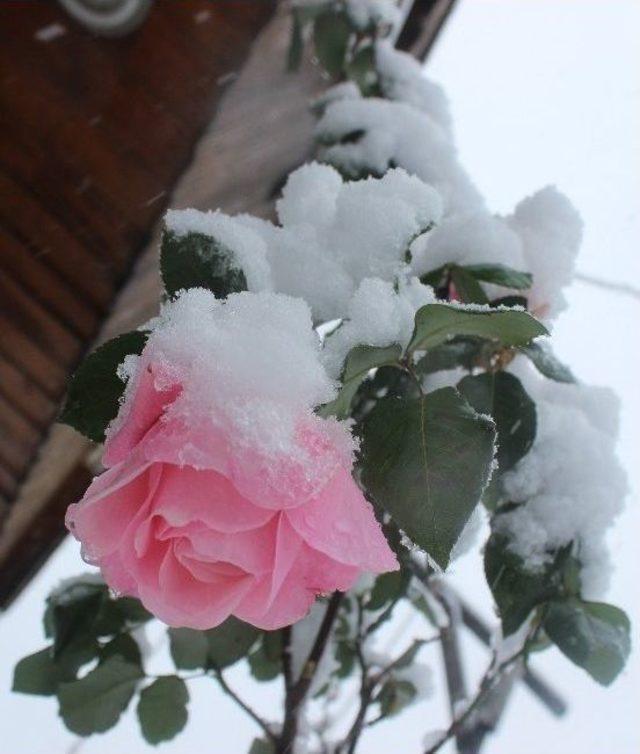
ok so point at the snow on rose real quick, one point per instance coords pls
(226, 495)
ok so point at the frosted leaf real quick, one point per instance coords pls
(468, 238)
(248, 248)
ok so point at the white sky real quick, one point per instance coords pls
(542, 91)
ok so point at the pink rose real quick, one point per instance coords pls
(200, 526)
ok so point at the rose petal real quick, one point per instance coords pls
(339, 522)
(252, 550)
(182, 600)
(188, 494)
(144, 405)
(112, 501)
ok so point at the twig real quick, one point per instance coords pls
(296, 692)
(534, 682)
(241, 703)
(367, 687)
(492, 673)
(609, 285)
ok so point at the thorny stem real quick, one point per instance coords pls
(296, 692)
(241, 703)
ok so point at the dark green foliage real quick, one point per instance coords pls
(94, 393)
(543, 358)
(331, 34)
(518, 590)
(195, 260)
(593, 635)
(38, 674)
(359, 362)
(501, 396)
(162, 709)
(436, 323)
(426, 462)
(94, 703)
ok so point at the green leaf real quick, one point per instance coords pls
(593, 635)
(162, 709)
(331, 34)
(426, 461)
(436, 278)
(468, 288)
(132, 610)
(502, 396)
(510, 301)
(388, 587)
(518, 590)
(459, 352)
(546, 362)
(296, 45)
(230, 642)
(94, 703)
(38, 674)
(362, 70)
(196, 260)
(359, 362)
(394, 696)
(260, 746)
(94, 393)
(409, 655)
(345, 655)
(189, 648)
(498, 274)
(265, 660)
(124, 646)
(436, 323)
(70, 615)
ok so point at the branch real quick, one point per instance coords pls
(295, 692)
(534, 682)
(241, 703)
(491, 675)
(367, 687)
(609, 285)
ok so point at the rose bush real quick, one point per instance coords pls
(199, 526)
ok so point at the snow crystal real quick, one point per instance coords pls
(551, 232)
(394, 133)
(571, 483)
(249, 364)
(247, 247)
(402, 78)
(378, 315)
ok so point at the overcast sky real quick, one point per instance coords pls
(542, 91)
